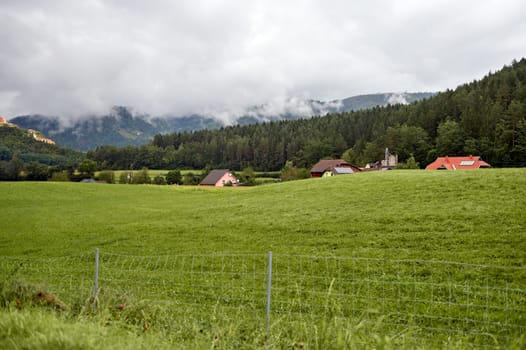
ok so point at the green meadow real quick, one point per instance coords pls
(474, 217)
(409, 238)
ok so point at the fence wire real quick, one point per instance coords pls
(435, 297)
(69, 277)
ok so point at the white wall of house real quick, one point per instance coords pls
(228, 177)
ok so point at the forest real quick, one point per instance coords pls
(24, 158)
(485, 117)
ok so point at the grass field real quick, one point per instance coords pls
(468, 216)
(475, 217)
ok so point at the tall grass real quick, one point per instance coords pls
(144, 324)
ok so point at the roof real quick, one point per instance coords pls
(339, 170)
(213, 177)
(457, 163)
(327, 164)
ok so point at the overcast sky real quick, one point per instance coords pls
(71, 58)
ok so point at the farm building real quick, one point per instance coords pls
(332, 167)
(457, 163)
(338, 171)
(219, 178)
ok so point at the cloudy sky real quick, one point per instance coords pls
(72, 58)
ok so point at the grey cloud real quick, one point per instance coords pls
(72, 58)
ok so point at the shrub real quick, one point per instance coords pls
(248, 177)
(141, 177)
(411, 163)
(107, 176)
(36, 172)
(191, 179)
(174, 177)
(60, 176)
(290, 172)
(159, 180)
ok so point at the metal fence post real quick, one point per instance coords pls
(96, 284)
(269, 286)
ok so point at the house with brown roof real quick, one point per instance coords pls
(334, 166)
(219, 178)
(457, 163)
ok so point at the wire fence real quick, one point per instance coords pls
(435, 297)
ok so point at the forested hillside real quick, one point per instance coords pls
(486, 118)
(23, 157)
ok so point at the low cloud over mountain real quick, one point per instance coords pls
(123, 126)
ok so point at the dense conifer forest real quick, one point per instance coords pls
(485, 117)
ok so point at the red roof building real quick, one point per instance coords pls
(457, 163)
(327, 164)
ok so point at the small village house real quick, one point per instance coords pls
(219, 178)
(457, 163)
(331, 167)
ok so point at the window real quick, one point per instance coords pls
(467, 162)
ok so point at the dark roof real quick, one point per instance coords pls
(328, 164)
(342, 170)
(213, 177)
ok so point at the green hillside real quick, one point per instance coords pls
(402, 214)
(23, 157)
